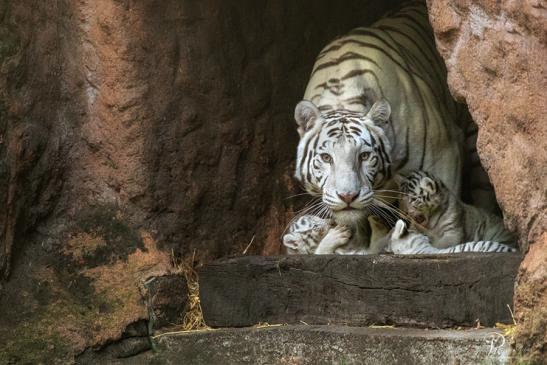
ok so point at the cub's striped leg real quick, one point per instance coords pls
(479, 246)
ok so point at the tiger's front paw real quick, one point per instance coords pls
(336, 237)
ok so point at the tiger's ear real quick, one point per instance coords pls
(306, 115)
(379, 112)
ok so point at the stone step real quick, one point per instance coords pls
(423, 291)
(339, 345)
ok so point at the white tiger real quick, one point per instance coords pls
(352, 138)
(408, 242)
(434, 211)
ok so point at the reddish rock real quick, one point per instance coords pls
(495, 55)
(134, 130)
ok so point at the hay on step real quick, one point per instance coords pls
(193, 317)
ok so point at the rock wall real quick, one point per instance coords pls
(495, 55)
(131, 130)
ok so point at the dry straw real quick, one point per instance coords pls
(193, 317)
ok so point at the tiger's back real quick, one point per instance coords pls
(396, 59)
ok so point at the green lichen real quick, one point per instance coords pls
(45, 336)
(73, 303)
(32, 342)
(33, 349)
(104, 221)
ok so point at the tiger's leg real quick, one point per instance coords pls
(379, 234)
(336, 237)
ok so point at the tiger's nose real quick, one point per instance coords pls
(347, 197)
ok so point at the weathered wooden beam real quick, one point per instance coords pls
(425, 291)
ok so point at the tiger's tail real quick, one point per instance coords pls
(480, 246)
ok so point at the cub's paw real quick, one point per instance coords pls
(336, 237)
(399, 230)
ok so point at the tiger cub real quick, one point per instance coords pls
(434, 211)
(408, 242)
(313, 235)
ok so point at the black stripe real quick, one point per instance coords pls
(304, 156)
(354, 73)
(440, 79)
(425, 115)
(308, 175)
(370, 33)
(426, 72)
(348, 56)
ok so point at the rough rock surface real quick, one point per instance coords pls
(326, 345)
(495, 55)
(133, 129)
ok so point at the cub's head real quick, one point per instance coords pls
(421, 195)
(343, 156)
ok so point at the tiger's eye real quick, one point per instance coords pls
(326, 158)
(364, 156)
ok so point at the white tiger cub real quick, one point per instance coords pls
(408, 242)
(434, 211)
(310, 234)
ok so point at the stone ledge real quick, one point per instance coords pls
(301, 345)
(419, 291)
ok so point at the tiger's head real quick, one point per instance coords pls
(421, 195)
(343, 156)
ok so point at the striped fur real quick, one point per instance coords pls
(405, 242)
(439, 214)
(376, 103)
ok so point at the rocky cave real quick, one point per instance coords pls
(137, 134)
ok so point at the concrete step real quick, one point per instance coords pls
(419, 291)
(316, 345)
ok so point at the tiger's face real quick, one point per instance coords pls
(422, 195)
(344, 156)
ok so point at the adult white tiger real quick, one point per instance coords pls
(351, 141)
